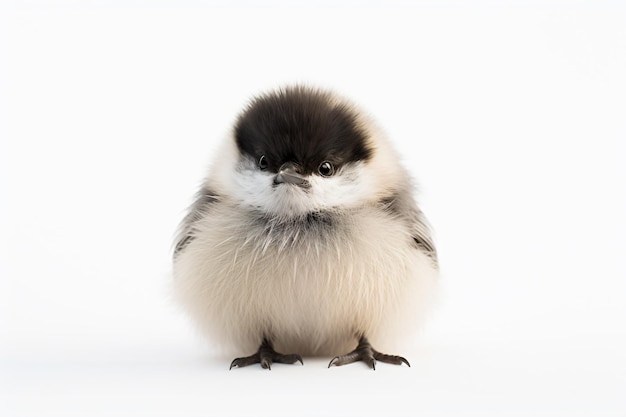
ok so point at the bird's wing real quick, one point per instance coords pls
(205, 198)
(404, 207)
(422, 235)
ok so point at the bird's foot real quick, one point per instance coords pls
(366, 353)
(266, 355)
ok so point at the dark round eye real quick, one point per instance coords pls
(263, 163)
(326, 169)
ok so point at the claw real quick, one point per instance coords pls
(333, 360)
(235, 363)
(265, 356)
(393, 359)
(365, 353)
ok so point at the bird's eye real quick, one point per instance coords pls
(263, 163)
(326, 169)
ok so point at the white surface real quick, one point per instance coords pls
(511, 118)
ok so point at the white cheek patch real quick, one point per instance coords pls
(349, 187)
(251, 186)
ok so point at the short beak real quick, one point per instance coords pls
(287, 174)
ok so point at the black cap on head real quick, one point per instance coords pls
(304, 126)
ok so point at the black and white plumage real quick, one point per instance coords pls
(305, 237)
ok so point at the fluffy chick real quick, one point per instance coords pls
(305, 237)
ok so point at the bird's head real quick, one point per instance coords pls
(298, 151)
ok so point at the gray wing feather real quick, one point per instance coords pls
(403, 206)
(198, 209)
(422, 234)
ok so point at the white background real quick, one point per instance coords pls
(512, 118)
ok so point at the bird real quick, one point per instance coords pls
(305, 237)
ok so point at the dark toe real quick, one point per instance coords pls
(266, 363)
(365, 353)
(265, 356)
(241, 362)
(392, 359)
(289, 359)
(355, 356)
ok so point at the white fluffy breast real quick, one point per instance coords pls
(312, 290)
